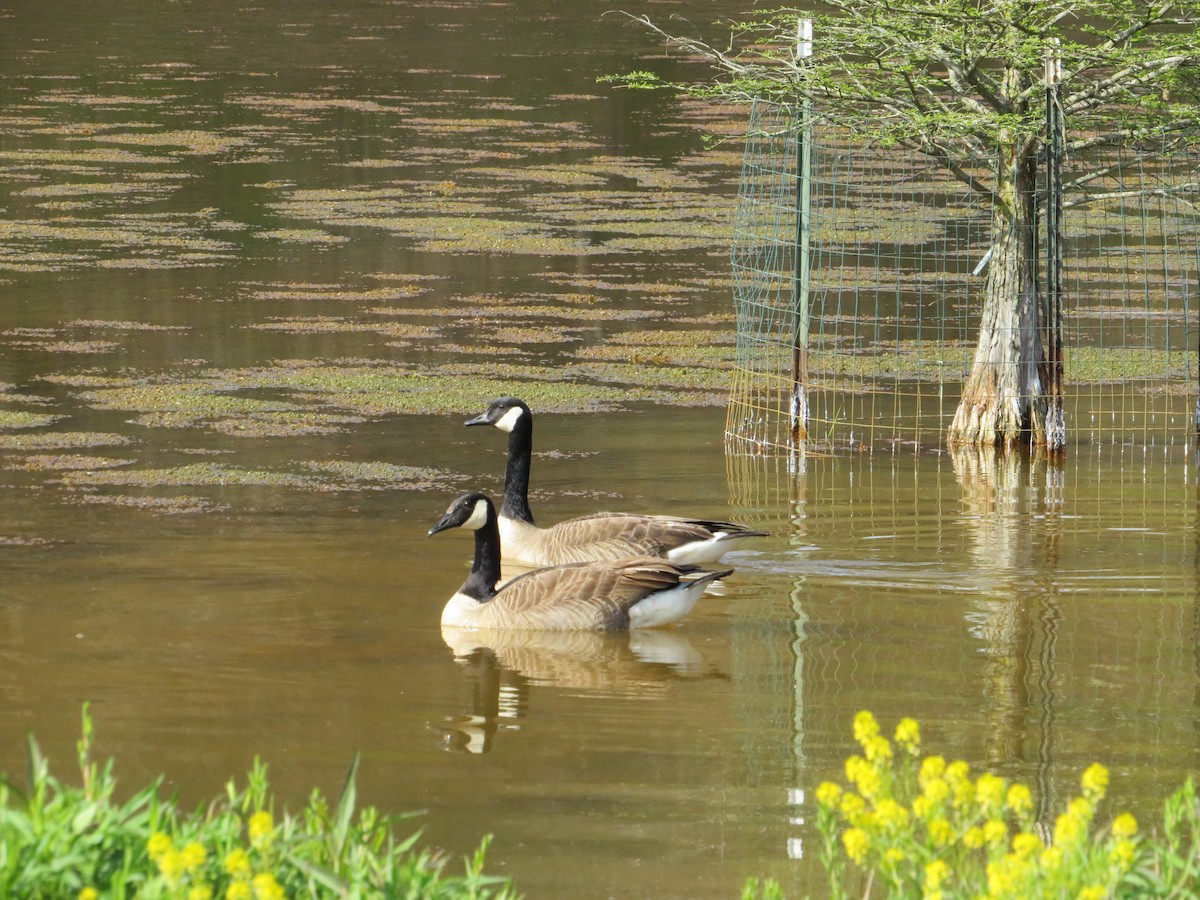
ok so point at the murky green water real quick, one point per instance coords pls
(258, 265)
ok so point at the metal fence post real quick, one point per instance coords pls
(801, 277)
(1056, 429)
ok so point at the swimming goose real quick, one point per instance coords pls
(598, 536)
(634, 592)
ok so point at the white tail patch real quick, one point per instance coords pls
(665, 607)
(697, 553)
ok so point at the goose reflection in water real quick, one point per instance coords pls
(502, 665)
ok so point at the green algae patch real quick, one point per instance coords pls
(296, 397)
(194, 475)
(335, 292)
(303, 236)
(42, 462)
(201, 143)
(167, 506)
(334, 325)
(386, 476)
(68, 346)
(279, 424)
(322, 476)
(15, 418)
(117, 325)
(62, 440)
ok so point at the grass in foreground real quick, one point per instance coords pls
(59, 842)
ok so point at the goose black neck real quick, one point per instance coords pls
(485, 569)
(516, 475)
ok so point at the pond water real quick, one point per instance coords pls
(258, 265)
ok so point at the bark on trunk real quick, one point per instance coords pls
(1003, 400)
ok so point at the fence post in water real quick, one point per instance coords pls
(1056, 429)
(801, 275)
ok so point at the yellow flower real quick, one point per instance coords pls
(865, 726)
(1000, 880)
(267, 888)
(1019, 799)
(1123, 853)
(852, 806)
(237, 862)
(238, 890)
(908, 735)
(1052, 858)
(1124, 826)
(922, 807)
(868, 781)
(87, 893)
(989, 791)
(261, 828)
(941, 832)
(828, 794)
(878, 748)
(1025, 843)
(193, 856)
(856, 842)
(936, 790)
(973, 838)
(200, 892)
(894, 855)
(891, 814)
(931, 767)
(1094, 781)
(853, 765)
(958, 777)
(995, 831)
(957, 772)
(158, 844)
(1067, 828)
(935, 874)
(1094, 892)
(171, 866)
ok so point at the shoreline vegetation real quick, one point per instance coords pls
(61, 842)
(910, 825)
(904, 825)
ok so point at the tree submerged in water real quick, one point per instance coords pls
(964, 81)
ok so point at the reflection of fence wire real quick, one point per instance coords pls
(893, 294)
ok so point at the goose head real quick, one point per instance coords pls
(472, 511)
(503, 413)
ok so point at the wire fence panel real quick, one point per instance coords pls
(895, 274)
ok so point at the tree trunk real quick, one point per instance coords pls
(1003, 400)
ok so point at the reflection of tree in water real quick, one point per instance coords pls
(503, 666)
(1016, 536)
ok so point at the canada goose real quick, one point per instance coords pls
(598, 536)
(606, 595)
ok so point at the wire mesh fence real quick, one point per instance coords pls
(892, 255)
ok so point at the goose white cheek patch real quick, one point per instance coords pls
(478, 516)
(508, 421)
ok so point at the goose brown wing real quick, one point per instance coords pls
(595, 595)
(613, 536)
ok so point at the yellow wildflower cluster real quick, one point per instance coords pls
(183, 870)
(925, 825)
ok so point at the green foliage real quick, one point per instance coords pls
(919, 827)
(958, 79)
(59, 841)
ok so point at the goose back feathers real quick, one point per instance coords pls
(633, 592)
(602, 536)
